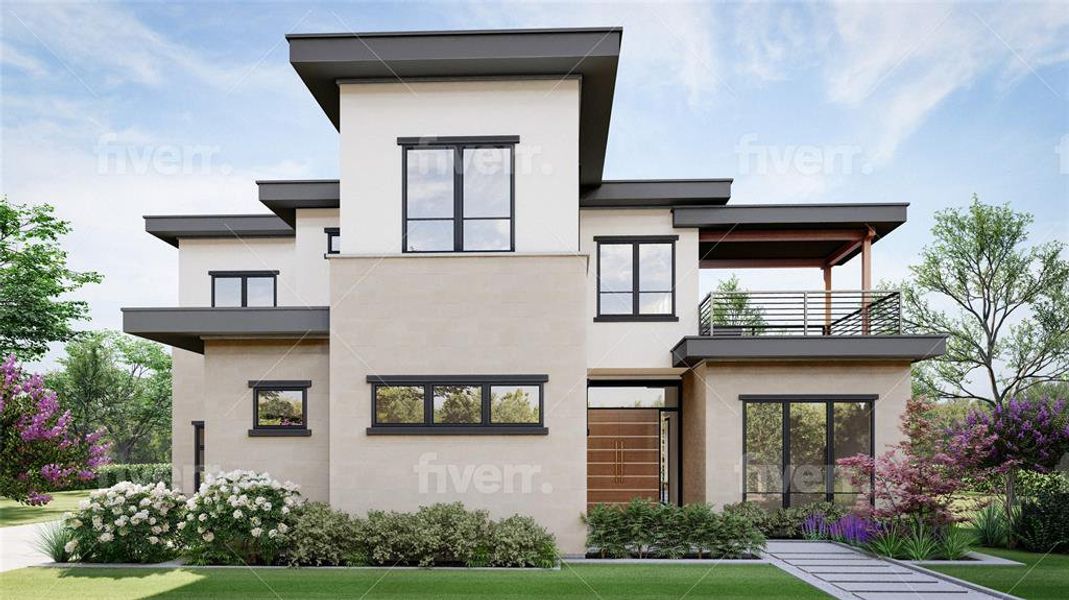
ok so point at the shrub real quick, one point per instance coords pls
(1043, 522)
(54, 540)
(921, 543)
(642, 528)
(240, 517)
(108, 475)
(888, 541)
(990, 525)
(322, 536)
(127, 522)
(519, 541)
(440, 534)
(785, 523)
(956, 543)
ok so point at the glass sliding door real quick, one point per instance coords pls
(791, 443)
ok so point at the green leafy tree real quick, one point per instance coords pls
(34, 277)
(461, 404)
(399, 404)
(732, 307)
(514, 407)
(1006, 305)
(113, 380)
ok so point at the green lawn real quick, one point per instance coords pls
(13, 513)
(1042, 577)
(671, 582)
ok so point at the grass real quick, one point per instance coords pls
(724, 582)
(12, 513)
(1042, 577)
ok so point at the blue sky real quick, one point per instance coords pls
(113, 111)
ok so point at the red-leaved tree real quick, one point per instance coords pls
(916, 478)
(38, 451)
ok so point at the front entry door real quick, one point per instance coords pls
(623, 455)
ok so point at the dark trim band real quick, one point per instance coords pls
(456, 379)
(632, 239)
(242, 273)
(457, 430)
(279, 383)
(280, 432)
(808, 397)
(458, 139)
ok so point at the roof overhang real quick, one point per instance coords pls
(187, 327)
(692, 350)
(172, 228)
(321, 60)
(284, 197)
(656, 193)
(787, 235)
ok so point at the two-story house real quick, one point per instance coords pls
(471, 312)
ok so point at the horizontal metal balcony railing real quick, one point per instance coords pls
(801, 313)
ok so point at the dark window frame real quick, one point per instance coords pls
(485, 382)
(458, 144)
(198, 453)
(244, 276)
(785, 400)
(259, 430)
(332, 233)
(636, 242)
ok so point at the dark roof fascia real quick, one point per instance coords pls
(284, 197)
(656, 193)
(692, 350)
(186, 327)
(171, 228)
(887, 215)
(322, 60)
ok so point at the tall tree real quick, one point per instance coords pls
(733, 307)
(1006, 305)
(34, 278)
(123, 383)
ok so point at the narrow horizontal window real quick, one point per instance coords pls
(458, 402)
(244, 288)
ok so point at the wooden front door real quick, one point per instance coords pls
(623, 455)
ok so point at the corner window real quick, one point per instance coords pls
(244, 288)
(446, 404)
(280, 407)
(333, 240)
(458, 194)
(636, 278)
(791, 444)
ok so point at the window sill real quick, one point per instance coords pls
(635, 318)
(458, 430)
(280, 432)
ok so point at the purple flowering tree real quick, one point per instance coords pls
(38, 451)
(1030, 434)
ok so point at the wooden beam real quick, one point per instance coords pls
(761, 263)
(827, 299)
(782, 235)
(835, 258)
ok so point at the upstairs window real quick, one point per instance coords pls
(459, 194)
(244, 288)
(333, 240)
(636, 278)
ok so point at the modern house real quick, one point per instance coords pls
(471, 312)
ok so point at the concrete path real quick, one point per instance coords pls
(18, 547)
(850, 575)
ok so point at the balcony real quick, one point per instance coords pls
(800, 313)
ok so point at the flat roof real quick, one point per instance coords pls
(656, 193)
(692, 350)
(186, 327)
(171, 228)
(740, 236)
(322, 59)
(285, 196)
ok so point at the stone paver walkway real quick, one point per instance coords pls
(850, 575)
(18, 546)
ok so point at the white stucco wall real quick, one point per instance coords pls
(543, 113)
(639, 344)
(312, 272)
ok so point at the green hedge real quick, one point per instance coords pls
(784, 523)
(109, 475)
(1043, 523)
(440, 534)
(643, 529)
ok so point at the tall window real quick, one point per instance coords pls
(441, 401)
(791, 445)
(244, 288)
(636, 278)
(458, 194)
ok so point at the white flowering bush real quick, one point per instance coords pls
(240, 517)
(128, 522)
